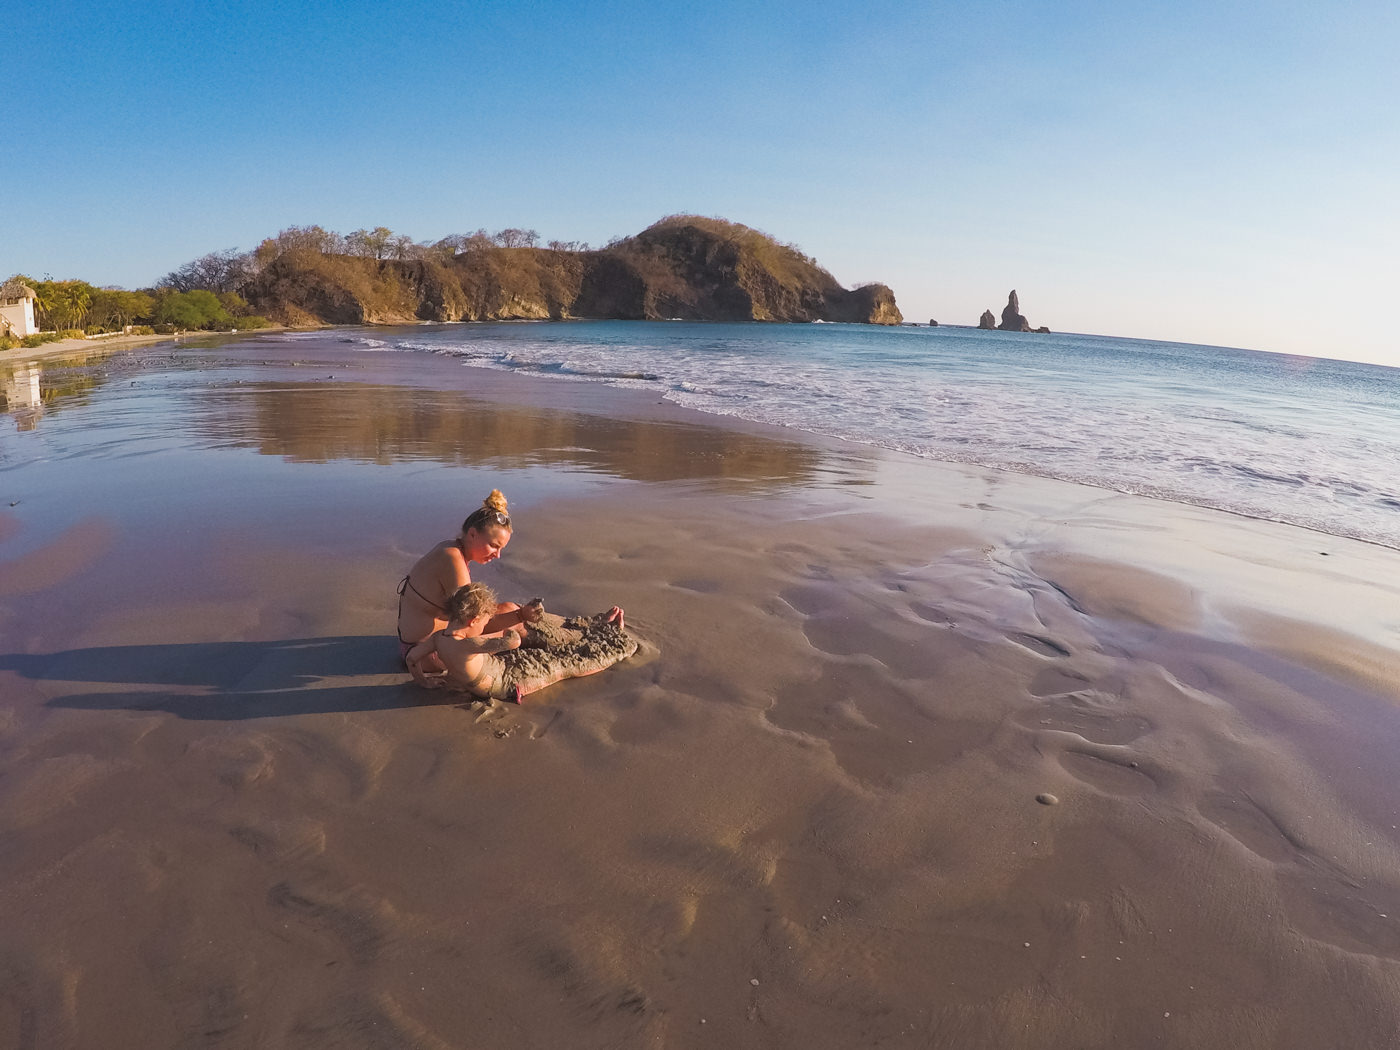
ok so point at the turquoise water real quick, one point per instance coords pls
(1310, 442)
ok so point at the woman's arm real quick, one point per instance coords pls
(511, 617)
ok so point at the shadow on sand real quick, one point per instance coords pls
(231, 680)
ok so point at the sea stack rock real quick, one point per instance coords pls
(989, 319)
(1011, 317)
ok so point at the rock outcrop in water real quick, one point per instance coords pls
(686, 267)
(1012, 320)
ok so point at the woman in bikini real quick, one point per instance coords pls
(444, 570)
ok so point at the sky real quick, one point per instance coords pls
(1199, 170)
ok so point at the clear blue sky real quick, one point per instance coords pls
(1211, 172)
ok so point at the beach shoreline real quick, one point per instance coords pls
(918, 754)
(103, 344)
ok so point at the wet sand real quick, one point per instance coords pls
(97, 345)
(915, 756)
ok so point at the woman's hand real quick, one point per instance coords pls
(510, 640)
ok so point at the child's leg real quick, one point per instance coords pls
(430, 663)
(492, 681)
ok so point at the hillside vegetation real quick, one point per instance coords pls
(684, 266)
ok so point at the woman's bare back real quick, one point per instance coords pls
(432, 580)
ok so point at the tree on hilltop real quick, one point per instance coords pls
(314, 240)
(371, 243)
(402, 246)
(515, 238)
(223, 271)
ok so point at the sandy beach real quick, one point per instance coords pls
(915, 755)
(100, 345)
(93, 346)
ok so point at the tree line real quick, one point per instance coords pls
(229, 270)
(75, 307)
(203, 294)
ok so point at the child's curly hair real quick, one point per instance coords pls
(471, 601)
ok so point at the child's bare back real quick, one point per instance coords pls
(470, 659)
(463, 658)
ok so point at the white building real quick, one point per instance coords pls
(17, 308)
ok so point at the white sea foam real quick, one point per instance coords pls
(1296, 440)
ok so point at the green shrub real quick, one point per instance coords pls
(7, 343)
(142, 329)
(195, 309)
(39, 339)
(72, 333)
(248, 322)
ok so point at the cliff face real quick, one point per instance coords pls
(684, 267)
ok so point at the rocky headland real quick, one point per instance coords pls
(686, 267)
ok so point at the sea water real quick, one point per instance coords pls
(1307, 441)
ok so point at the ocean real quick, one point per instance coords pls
(1306, 441)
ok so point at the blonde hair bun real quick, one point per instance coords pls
(495, 501)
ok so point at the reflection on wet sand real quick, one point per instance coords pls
(387, 424)
(23, 396)
(29, 387)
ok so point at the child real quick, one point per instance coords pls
(489, 667)
(470, 659)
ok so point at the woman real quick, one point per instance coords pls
(443, 571)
